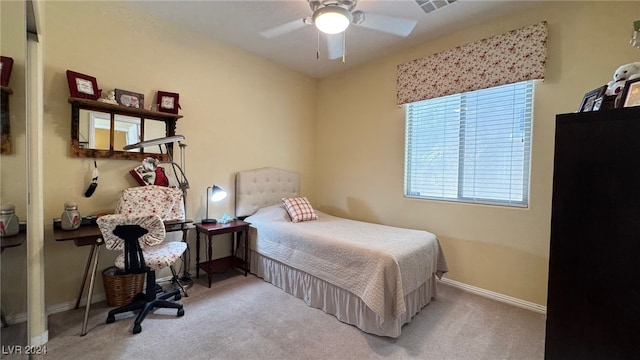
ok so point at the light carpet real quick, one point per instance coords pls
(246, 318)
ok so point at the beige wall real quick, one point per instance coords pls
(360, 144)
(240, 112)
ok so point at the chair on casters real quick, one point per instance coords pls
(168, 203)
(144, 251)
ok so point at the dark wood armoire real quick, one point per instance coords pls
(593, 305)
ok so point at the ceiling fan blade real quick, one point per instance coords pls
(283, 29)
(334, 46)
(389, 24)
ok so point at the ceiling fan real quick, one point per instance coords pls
(333, 17)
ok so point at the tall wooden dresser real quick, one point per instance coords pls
(593, 305)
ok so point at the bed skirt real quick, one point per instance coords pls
(336, 301)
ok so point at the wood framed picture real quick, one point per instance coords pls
(130, 98)
(631, 93)
(82, 86)
(168, 102)
(590, 98)
(6, 64)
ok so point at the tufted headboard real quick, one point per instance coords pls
(262, 187)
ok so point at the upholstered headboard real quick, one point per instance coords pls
(262, 187)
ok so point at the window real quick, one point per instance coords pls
(471, 147)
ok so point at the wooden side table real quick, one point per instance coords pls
(238, 228)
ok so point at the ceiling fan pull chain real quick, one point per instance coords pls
(318, 46)
(344, 46)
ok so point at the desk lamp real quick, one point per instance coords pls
(217, 194)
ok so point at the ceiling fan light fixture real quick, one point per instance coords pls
(332, 19)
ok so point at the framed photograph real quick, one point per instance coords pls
(631, 93)
(168, 102)
(130, 99)
(597, 104)
(590, 98)
(6, 64)
(82, 86)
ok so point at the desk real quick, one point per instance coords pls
(12, 241)
(219, 265)
(7, 242)
(90, 235)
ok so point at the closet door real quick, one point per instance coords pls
(593, 300)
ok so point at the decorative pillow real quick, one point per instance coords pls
(299, 209)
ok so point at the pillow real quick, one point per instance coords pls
(299, 209)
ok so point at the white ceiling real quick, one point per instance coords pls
(239, 23)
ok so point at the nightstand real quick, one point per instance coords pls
(239, 229)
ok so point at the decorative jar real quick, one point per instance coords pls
(70, 218)
(9, 222)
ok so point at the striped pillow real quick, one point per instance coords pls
(299, 209)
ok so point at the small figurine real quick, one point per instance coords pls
(110, 98)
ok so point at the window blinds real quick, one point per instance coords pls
(471, 147)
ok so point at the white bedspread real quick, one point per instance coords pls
(377, 263)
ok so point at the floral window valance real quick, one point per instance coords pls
(503, 59)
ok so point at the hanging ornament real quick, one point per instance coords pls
(94, 181)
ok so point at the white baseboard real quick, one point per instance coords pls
(22, 318)
(16, 318)
(69, 305)
(497, 296)
(40, 340)
(44, 337)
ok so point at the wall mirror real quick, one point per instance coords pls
(13, 180)
(102, 130)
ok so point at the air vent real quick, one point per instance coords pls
(429, 6)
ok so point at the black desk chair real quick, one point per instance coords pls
(144, 251)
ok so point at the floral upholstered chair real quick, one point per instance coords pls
(141, 241)
(166, 202)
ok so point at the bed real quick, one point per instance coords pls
(372, 276)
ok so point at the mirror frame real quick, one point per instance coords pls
(77, 104)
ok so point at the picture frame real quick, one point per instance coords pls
(129, 98)
(608, 102)
(168, 102)
(82, 86)
(6, 64)
(631, 93)
(590, 98)
(597, 104)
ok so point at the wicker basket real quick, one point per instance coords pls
(121, 288)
